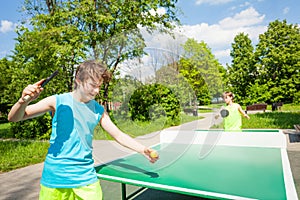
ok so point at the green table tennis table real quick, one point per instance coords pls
(213, 164)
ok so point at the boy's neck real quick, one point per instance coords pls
(78, 97)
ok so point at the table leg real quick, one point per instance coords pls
(123, 185)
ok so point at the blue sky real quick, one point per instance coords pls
(215, 22)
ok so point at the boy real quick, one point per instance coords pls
(69, 167)
(233, 122)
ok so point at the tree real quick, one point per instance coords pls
(277, 62)
(154, 101)
(169, 77)
(240, 75)
(105, 30)
(121, 93)
(5, 80)
(61, 34)
(199, 66)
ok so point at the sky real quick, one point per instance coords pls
(216, 22)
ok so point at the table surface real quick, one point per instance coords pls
(227, 172)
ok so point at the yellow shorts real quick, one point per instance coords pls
(88, 192)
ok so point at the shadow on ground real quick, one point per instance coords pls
(151, 194)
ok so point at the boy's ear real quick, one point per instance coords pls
(77, 79)
(77, 82)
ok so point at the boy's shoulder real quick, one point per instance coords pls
(63, 94)
(63, 97)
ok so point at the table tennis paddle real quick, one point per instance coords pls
(224, 113)
(27, 97)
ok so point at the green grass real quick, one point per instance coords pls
(135, 129)
(288, 108)
(16, 153)
(205, 110)
(273, 120)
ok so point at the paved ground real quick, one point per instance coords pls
(23, 184)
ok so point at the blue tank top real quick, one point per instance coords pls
(69, 162)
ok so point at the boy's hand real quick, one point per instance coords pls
(31, 92)
(151, 154)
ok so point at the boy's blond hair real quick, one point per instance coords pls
(92, 69)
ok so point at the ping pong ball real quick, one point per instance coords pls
(153, 154)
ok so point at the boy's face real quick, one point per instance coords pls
(90, 89)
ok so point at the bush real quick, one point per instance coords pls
(296, 99)
(152, 102)
(37, 128)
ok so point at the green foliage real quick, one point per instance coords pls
(39, 52)
(153, 101)
(296, 99)
(201, 70)
(277, 61)
(271, 73)
(5, 130)
(5, 80)
(38, 128)
(179, 85)
(240, 75)
(257, 94)
(73, 31)
(121, 92)
(64, 33)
